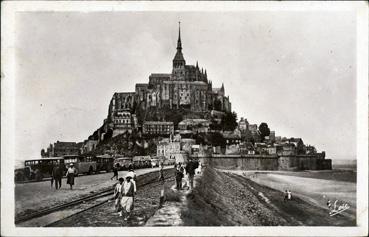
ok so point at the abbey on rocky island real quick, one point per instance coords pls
(187, 86)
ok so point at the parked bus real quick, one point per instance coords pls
(123, 162)
(83, 164)
(37, 169)
(141, 162)
(104, 162)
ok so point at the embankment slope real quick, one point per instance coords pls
(225, 199)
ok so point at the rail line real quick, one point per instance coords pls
(89, 198)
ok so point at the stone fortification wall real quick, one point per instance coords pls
(249, 162)
(304, 162)
(268, 162)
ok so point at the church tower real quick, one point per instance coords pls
(179, 61)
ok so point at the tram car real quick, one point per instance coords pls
(38, 169)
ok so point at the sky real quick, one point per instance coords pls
(296, 71)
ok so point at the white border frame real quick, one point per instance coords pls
(8, 11)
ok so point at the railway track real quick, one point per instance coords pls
(144, 179)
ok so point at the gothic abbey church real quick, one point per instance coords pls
(186, 87)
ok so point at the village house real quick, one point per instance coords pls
(272, 136)
(261, 148)
(186, 144)
(158, 128)
(232, 137)
(310, 150)
(287, 149)
(195, 125)
(122, 122)
(253, 128)
(243, 125)
(246, 148)
(271, 150)
(62, 148)
(168, 149)
(299, 145)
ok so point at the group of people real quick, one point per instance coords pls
(57, 175)
(124, 193)
(189, 170)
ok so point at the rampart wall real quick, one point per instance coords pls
(268, 162)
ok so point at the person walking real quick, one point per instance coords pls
(52, 178)
(161, 174)
(285, 198)
(118, 195)
(179, 176)
(128, 193)
(115, 172)
(198, 170)
(289, 194)
(57, 175)
(132, 173)
(71, 172)
(190, 169)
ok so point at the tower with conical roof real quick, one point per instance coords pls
(179, 61)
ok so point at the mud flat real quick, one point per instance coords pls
(222, 198)
(315, 187)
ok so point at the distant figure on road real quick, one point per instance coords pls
(289, 195)
(190, 169)
(161, 174)
(128, 192)
(179, 176)
(57, 175)
(71, 172)
(118, 194)
(115, 171)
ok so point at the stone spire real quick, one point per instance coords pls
(179, 43)
(178, 58)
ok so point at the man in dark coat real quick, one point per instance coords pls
(115, 171)
(57, 175)
(190, 170)
(179, 176)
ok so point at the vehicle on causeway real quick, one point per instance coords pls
(104, 162)
(141, 162)
(38, 169)
(84, 164)
(123, 162)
